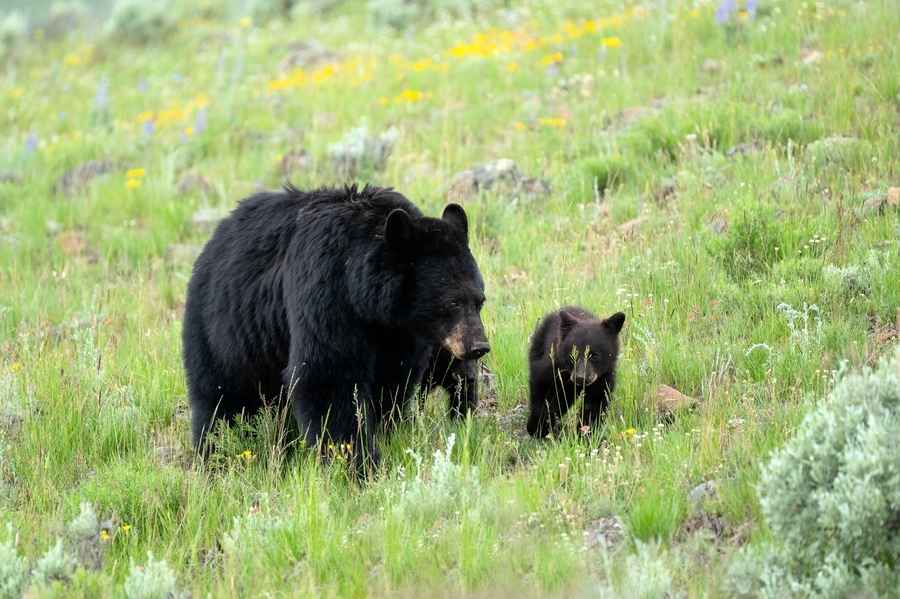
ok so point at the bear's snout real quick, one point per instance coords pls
(479, 348)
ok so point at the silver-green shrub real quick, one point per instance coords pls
(831, 498)
(142, 22)
(56, 564)
(155, 580)
(13, 568)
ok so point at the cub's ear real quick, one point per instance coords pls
(398, 229)
(456, 216)
(567, 322)
(615, 322)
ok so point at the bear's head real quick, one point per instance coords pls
(443, 291)
(585, 354)
(588, 349)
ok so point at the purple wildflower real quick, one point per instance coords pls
(200, 121)
(101, 99)
(751, 8)
(149, 127)
(143, 86)
(726, 9)
(31, 143)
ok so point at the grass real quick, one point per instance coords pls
(92, 395)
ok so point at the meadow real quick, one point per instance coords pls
(725, 174)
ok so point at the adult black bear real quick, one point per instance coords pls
(572, 352)
(340, 300)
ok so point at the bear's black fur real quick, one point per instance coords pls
(339, 300)
(572, 352)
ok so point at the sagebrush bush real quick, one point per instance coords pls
(831, 497)
(13, 29)
(13, 568)
(155, 580)
(360, 153)
(142, 22)
(56, 564)
(643, 574)
(400, 14)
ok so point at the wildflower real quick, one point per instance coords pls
(554, 121)
(149, 127)
(200, 120)
(410, 96)
(188, 131)
(628, 433)
(133, 183)
(519, 125)
(726, 9)
(17, 92)
(16, 367)
(31, 143)
(125, 528)
(245, 22)
(550, 59)
(104, 535)
(101, 98)
(611, 42)
(246, 455)
(512, 67)
(135, 173)
(751, 8)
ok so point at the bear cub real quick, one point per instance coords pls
(572, 352)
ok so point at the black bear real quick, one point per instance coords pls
(341, 301)
(572, 352)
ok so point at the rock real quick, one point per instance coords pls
(10, 178)
(809, 56)
(207, 218)
(877, 202)
(742, 149)
(703, 491)
(719, 224)
(306, 53)
(629, 228)
(358, 151)
(192, 182)
(834, 150)
(669, 401)
(294, 161)
(604, 533)
(712, 66)
(665, 192)
(76, 179)
(500, 176)
(183, 252)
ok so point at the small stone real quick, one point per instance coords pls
(294, 161)
(207, 217)
(10, 178)
(809, 56)
(702, 492)
(719, 224)
(670, 401)
(604, 533)
(629, 228)
(76, 179)
(712, 66)
(306, 53)
(191, 183)
(501, 176)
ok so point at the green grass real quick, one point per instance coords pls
(92, 394)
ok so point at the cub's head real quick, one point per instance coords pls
(588, 348)
(443, 290)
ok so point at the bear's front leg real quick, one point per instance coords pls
(339, 419)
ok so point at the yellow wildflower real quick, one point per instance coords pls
(611, 42)
(410, 96)
(188, 131)
(629, 433)
(125, 528)
(16, 367)
(556, 122)
(519, 125)
(135, 173)
(104, 535)
(552, 58)
(512, 67)
(245, 22)
(695, 14)
(246, 455)
(133, 183)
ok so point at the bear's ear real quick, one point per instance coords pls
(456, 216)
(398, 229)
(567, 322)
(615, 322)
